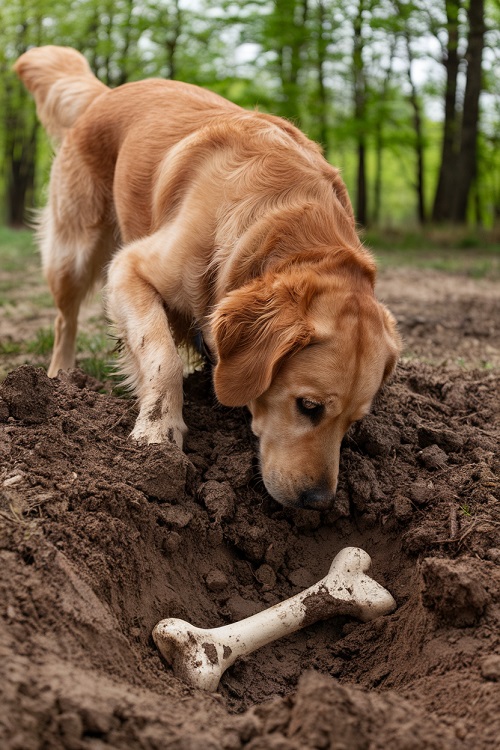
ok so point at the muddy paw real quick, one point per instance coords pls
(147, 432)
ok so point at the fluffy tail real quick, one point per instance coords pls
(62, 84)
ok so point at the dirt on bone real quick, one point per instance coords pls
(101, 538)
(321, 605)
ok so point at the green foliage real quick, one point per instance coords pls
(295, 58)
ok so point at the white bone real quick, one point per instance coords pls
(200, 657)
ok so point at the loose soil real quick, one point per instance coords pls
(101, 538)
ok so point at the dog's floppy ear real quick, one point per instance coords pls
(254, 328)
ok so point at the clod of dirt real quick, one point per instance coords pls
(165, 474)
(433, 457)
(451, 589)
(219, 499)
(28, 396)
(326, 714)
(216, 580)
(490, 668)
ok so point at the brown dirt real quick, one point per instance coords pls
(100, 539)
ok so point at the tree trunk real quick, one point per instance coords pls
(322, 96)
(20, 136)
(359, 115)
(467, 163)
(290, 32)
(379, 135)
(20, 183)
(419, 137)
(171, 42)
(442, 208)
(126, 33)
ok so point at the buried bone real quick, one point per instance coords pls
(200, 657)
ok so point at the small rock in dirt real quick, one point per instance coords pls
(449, 441)
(433, 457)
(96, 722)
(490, 668)
(171, 542)
(176, 516)
(451, 589)
(275, 554)
(493, 554)
(266, 576)
(219, 499)
(375, 438)
(420, 494)
(216, 580)
(250, 539)
(339, 509)
(71, 729)
(402, 508)
(363, 481)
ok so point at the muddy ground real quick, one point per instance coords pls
(100, 539)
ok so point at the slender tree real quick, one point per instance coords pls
(416, 106)
(467, 158)
(447, 171)
(321, 48)
(359, 96)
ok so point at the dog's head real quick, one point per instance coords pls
(306, 353)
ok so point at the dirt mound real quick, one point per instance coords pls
(101, 538)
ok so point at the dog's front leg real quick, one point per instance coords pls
(150, 359)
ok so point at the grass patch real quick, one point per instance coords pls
(17, 248)
(43, 342)
(450, 250)
(10, 347)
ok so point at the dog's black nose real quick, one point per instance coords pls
(316, 498)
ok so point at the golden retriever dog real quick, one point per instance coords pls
(207, 219)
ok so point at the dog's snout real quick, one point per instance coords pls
(316, 498)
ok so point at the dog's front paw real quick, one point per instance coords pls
(148, 432)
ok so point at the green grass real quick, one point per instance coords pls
(10, 347)
(42, 344)
(17, 249)
(451, 250)
(96, 355)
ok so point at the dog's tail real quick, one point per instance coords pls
(62, 84)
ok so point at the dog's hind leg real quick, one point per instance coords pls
(137, 302)
(72, 262)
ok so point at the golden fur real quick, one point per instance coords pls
(206, 217)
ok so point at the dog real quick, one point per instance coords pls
(207, 219)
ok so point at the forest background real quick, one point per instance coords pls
(403, 95)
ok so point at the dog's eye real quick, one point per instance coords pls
(311, 409)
